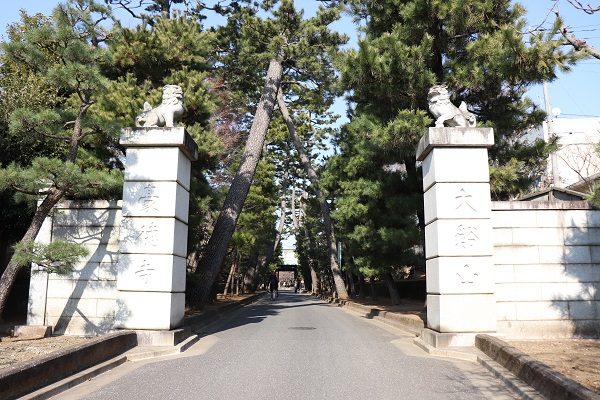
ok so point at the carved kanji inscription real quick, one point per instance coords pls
(466, 275)
(148, 197)
(464, 200)
(466, 236)
(144, 271)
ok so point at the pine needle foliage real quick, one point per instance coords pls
(481, 51)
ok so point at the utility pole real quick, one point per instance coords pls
(548, 135)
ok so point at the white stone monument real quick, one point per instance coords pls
(153, 239)
(458, 232)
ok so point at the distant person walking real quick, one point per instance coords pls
(273, 286)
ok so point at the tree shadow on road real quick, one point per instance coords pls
(258, 311)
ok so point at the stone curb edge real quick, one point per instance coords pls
(525, 391)
(74, 380)
(27, 377)
(407, 322)
(195, 321)
(64, 369)
(541, 377)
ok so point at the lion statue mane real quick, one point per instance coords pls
(167, 113)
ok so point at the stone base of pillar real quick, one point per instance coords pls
(443, 340)
(440, 340)
(163, 338)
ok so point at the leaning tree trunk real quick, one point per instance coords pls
(12, 269)
(250, 275)
(392, 289)
(53, 196)
(338, 281)
(231, 272)
(216, 249)
(264, 263)
(314, 278)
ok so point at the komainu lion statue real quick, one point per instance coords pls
(167, 113)
(446, 112)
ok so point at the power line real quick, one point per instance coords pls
(584, 26)
(580, 115)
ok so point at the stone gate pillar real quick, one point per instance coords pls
(458, 235)
(153, 237)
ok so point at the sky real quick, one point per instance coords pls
(574, 93)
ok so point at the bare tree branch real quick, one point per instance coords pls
(588, 8)
(578, 44)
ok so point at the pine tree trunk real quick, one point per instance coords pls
(338, 281)
(351, 288)
(12, 269)
(392, 289)
(54, 195)
(315, 284)
(250, 275)
(295, 220)
(264, 264)
(373, 291)
(237, 282)
(315, 280)
(216, 248)
(231, 271)
(361, 286)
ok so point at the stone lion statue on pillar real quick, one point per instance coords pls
(447, 113)
(167, 113)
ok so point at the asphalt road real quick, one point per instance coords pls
(296, 347)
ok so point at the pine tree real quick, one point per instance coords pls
(177, 50)
(293, 48)
(61, 54)
(324, 206)
(478, 49)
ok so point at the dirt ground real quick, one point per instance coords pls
(579, 359)
(13, 350)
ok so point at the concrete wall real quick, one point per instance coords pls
(83, 302)
(547, 269)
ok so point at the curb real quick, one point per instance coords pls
(509, 379)
(406, 322)
(540, 376)
(445, 352)
(27, 377)
(196, 322)
(74, 380)
(161, 351)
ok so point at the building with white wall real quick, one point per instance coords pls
(576, 160)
